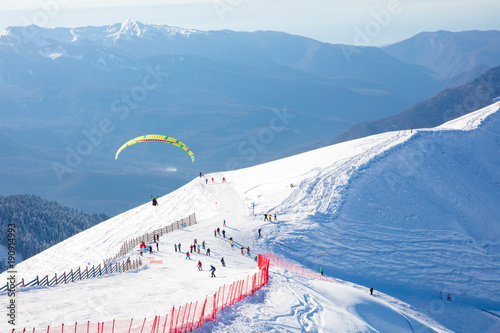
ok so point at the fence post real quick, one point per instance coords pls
(130, 327)
(143, 323)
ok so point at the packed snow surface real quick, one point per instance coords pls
(410, 213)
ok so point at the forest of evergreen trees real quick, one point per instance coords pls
(40, 223)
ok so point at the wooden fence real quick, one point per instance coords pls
(109, 266)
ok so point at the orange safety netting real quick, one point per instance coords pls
(182, 319)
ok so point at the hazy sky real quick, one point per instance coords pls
(359, 22)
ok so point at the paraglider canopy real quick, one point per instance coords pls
(159, 138)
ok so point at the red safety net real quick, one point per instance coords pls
(306, 272)
(183, 319)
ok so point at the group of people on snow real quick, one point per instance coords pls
(269, 217)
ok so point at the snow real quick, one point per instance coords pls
(408, 213)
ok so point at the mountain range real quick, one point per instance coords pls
(447, 105)
(70, 97)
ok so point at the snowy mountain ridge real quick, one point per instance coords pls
(411, 213)
(107, 35)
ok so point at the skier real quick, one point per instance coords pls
(187, 256)
(203, 245)
(175, 247)
(208, 252)
(199, 266)
(198, 248)
(155, 201)
(270, 217)
(157, 248)
(242, 248)
(449, 297)
(218, 231)
(224, 233)
(215, 233)
(206, 181)
(371, 291)
(275, 217)
(150, 249)
(256, 258)
(231, 243)
(223, 262)
(212, 270)
(191, 248)
(259, 232)
(223, 179)
(200, 174)
(321, 270)
(212, 180)
(248, 250)
(265, 217)
(179, 247)
(224, 223)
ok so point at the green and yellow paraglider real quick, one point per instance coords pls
(159, 138)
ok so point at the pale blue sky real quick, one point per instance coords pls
(358, 22)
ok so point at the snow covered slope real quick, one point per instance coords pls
(408, 213)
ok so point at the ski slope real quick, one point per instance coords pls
(408, 213)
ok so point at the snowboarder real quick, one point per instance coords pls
(259, 232)
(371, 291)
(187, 256)
(175, 247)
(321, 270)
(212, 270)
(208, 252)
(199, 266)
(224, 233)
(223, 262)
